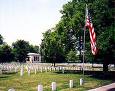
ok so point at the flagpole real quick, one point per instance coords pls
(84, 51)
(84, 42)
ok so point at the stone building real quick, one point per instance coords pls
(33, 58)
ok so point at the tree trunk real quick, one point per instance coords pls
(105, 67)
(54, 64)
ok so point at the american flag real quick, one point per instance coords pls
(89, 24)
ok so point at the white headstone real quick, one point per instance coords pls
(81, 81)
(63, 70)
(10, 68)
(53, 86)
(57, 68)
(46, 69)
(15, 69)
(71, 83)
(21, 71)
(40, 88)
(0, 71)
(11, 89)
(53, 68)
(28, 72)
(50, 68)
(27, 68)
(35, 70)
(41, 69)
(60, 68)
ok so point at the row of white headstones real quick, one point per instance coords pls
(35, 69)
(31, 67)
(41, 69)
(54, 85)
(38, 67)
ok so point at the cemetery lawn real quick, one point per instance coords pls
(30, 83)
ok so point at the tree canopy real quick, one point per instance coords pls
(67, 34)
(6, 54)
(17, 52)
(1, 39)
(21, 48)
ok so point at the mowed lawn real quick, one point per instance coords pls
(30, 83)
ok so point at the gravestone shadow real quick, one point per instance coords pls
(6, 75)
(112, 89)
(110, 75)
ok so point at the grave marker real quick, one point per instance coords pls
(40, 88)
(53, 86)
(71, 83)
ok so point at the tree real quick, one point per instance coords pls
(73, 15)
(52, 48)
(73, 18)
(1, 39)
(6, 54)
(34, 49)
(72, 57)
(20, 50)
(106, 42)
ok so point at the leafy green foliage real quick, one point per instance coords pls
(6, 54)
(33, 49)
(20, 50)
(52, 48)
(72, 57)
(1, 39)
(107, 44)
(60, 40)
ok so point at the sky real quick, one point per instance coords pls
(28, 19)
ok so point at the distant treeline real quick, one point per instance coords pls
(17, 52)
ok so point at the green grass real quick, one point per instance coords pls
(30, 83)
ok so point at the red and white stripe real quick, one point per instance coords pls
(92, 35)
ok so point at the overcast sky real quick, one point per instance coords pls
(28, 19)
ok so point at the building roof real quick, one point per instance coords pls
(33, 54)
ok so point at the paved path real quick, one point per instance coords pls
(110, 87)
